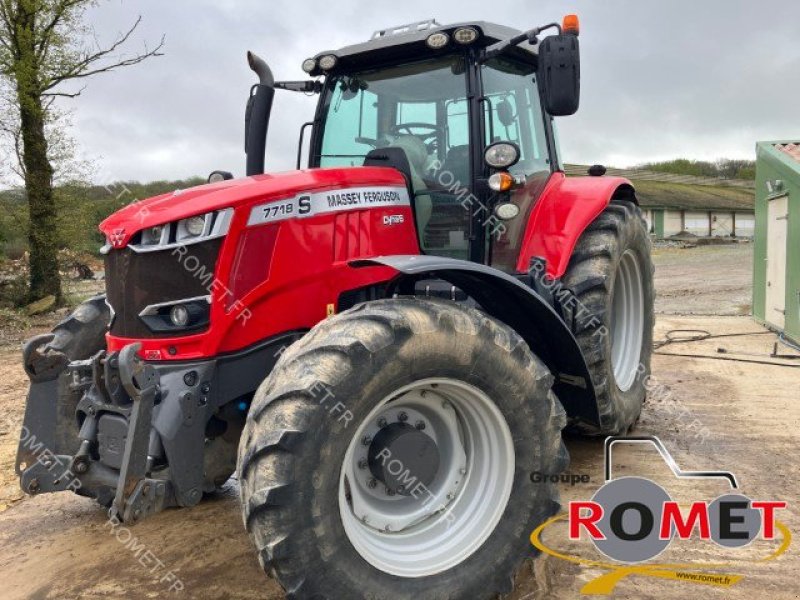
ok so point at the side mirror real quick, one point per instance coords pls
(559, 74)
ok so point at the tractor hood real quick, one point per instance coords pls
(181, 204)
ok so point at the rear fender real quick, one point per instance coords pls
(567, 206)
(518, 306)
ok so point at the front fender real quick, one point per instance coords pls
(517, 305)
(565, 209)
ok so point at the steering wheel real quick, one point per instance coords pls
(429, 139)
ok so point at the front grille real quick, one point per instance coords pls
(137, 280)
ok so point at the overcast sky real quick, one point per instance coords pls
(701, 78)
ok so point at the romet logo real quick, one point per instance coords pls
(632, 520)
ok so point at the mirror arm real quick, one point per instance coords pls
(502, 46)
(309, 87)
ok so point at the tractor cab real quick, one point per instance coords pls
(463, 111)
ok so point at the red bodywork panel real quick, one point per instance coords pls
(564, 210)
(277, 277)
(304, 260)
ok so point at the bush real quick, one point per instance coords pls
(15, 249)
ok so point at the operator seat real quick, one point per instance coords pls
(407, 154)
(457, 163)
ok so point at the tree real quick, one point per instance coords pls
(44, 47)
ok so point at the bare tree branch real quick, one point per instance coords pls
(83, 67)
(64, 94)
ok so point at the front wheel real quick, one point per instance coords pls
(390, 453)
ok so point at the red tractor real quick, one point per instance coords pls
(384, 346)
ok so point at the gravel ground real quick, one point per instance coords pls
(705, 280)
(718, 415)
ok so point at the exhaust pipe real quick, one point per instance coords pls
(256, 120)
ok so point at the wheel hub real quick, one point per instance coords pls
(402, 457)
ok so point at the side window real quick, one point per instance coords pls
(356, 120)
(502, 119)
(514, 113)
(457, 123)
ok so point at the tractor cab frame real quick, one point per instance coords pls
(428, 100)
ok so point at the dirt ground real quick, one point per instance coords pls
(711, 414)
(706, 280)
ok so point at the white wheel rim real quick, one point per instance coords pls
(444, 523)
(627, 321)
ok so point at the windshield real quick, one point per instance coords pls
(420, 102)
(421, 109)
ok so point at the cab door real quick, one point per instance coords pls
(513, 112)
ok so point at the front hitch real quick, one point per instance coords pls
(62, 432)
(135, 498)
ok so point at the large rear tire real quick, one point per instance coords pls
(611, 275)
(327, 524)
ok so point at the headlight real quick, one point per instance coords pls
(185, 314)
(506, 211)
(191, 230)
(437, 40)
(465, 35)
(193, 226)
(309, 65)
(179, 315)
(327, 62)
(152, 235)
(501, 155)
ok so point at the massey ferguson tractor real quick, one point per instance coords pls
(385, 346)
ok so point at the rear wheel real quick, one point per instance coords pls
(611, 274)
(390, 453)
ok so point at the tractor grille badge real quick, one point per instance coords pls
(117, 237)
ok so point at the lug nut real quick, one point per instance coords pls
(362, 464)
(382, 422)
(389, 492)
(372, 483)
(401, 489)
(366, 440)
(81, 467)
(420, 425)
(403, 417)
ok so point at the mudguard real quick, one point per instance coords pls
(566, 207)
(517, 305)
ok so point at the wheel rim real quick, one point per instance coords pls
(627, 326)
(429, 528)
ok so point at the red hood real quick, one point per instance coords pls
(206, 198)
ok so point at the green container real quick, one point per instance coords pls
(776, 270)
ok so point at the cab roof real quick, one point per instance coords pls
(407, 42)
